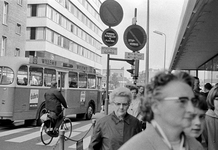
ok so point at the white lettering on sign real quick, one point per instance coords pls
(109, 50)
(34, 98)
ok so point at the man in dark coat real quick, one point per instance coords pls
(53, 101)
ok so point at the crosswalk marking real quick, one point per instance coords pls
(83, 128)
(13, 131)
(86, 142)
(54, 141)
(24, 138)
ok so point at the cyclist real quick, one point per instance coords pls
(53, 101)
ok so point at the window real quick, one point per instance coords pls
(22, 75)
(49, 75)
(3, 47)
(18, 28)
(82, 80)
(19, 2)
(17, 52)
(35, 76)
(91, 81)
(6, 75)
(73, 80)
(34, 10)
(5, 13)
(32, 33)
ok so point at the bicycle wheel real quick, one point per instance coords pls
(45, 128)
(68, 127)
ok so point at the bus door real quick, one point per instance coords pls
(62, 82)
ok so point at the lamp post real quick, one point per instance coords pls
(165, 37)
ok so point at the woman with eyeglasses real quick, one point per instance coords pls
(114, 130)
(171, 100)
(210, 132)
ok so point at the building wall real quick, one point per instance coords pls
(16, 15)
(80, 49)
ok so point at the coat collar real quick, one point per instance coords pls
(117, 120)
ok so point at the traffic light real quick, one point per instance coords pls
(134, 71)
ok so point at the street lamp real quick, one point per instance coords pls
(161, 33)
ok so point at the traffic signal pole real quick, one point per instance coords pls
(107, 85)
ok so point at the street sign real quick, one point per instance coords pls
(111, 13)
(135, 56)
(135, 37)
(109, 50)
(109, 37)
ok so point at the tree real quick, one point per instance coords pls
(114, 80)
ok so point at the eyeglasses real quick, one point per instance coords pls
(123, 104)
(182, 100)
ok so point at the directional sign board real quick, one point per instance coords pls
(109, 37)
(135, 37)
(109, 50)
(111, 13)
(135, 56)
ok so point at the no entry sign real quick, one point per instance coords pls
(135, 37)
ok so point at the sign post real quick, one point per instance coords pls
(135, 38)
(111, 14)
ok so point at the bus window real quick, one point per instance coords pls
(98, 82)
(82, 80)
(35, 76)
(6, 75)
(73, 79)
(49, 75)
(22, 78)
(91, 81)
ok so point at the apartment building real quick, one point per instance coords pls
(12, 27)
(65, 30)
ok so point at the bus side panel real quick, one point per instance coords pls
(72, 97)
(27, 102)
(6, 102)
(78, 100)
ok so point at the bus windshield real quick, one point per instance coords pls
(6, 75)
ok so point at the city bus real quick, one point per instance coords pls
(24, 81)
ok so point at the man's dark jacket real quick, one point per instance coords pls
(53, 100)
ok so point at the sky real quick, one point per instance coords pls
(164, 17)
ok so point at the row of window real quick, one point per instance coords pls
(44, 76)
(36, 76)
(5, 10)
(40, 33)
(68, 5)
(4, 48)
(47, 11)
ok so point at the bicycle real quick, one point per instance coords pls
(47, 128)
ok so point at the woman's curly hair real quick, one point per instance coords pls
(153, 89)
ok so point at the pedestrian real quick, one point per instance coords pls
(171, 97)
(196, 85)
(210, 132)
(197, 126)
(53, 101)
(114, 130)
(134, 108)
(141, 91)
(207, 88)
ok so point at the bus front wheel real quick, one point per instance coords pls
(90, 112)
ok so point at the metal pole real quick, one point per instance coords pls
(165, 39)
(147, 49)
(61, 145)
(107, 85)
(165, 50)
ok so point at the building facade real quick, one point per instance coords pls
(12, 27)
(65, 30)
